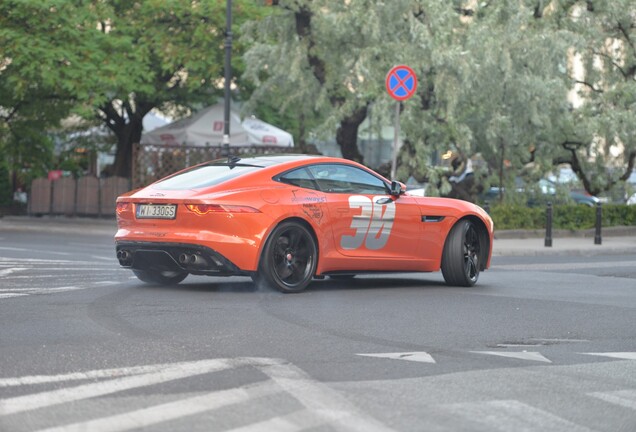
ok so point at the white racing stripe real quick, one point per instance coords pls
(170, 411)
(56, 397)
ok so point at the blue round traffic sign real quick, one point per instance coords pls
(401, 82)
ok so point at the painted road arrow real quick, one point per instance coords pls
(521, 355)
(418, 356)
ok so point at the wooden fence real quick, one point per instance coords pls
(86, 196)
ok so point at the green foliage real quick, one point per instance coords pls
(517, 217)
(112, 59)
(570, 217)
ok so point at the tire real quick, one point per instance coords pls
(461, 255)
(160, 277)
(289, 258)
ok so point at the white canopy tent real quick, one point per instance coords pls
(205, 128)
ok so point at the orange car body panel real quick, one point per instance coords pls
(402, 239)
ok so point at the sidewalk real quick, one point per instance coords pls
(615, 240)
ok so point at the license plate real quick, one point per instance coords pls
(156, 211)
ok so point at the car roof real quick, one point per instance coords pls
(268, 160)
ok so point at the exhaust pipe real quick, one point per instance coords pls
(188, 259)
(184, 259)
(124, 257)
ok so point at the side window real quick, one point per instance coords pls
(346, 179)
(299, 177)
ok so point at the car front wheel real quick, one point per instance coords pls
(289, 258)
(462, 251)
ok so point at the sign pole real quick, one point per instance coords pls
(396, 138)
(401, 84)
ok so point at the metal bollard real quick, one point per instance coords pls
(599, 217)
(548, 226)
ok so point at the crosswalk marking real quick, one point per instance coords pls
(321, 404)
(624, 398)
(320, 398)
(297, 421)
(169, 411)
(508, 415)
(56, 397)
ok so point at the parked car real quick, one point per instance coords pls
(542, 192)
(284, 220)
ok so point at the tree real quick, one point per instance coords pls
(329, 60)
(598, 138)
(117, 60)
(47, 64)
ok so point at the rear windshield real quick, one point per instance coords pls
(204, 176)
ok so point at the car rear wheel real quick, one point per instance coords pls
(289, 258)
(160, 277)
(460, 259)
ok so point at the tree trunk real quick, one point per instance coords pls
(347, 134)
(127, 136)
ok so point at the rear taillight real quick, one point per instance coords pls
(122, 207)
(202, 209)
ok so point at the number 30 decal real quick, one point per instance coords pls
(372, 226)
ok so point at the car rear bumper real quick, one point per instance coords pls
(160, 256)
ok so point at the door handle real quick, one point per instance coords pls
(383, 201)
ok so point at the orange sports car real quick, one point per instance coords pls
(285, 220)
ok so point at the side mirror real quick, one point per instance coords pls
(397, 188)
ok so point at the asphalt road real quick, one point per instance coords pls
(540, 344)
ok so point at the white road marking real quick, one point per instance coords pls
(14, 249)
(7, 272)
(624, 398)
(11, 295)
(55, 397)
(93, 374)
(104, 258)
(319, 398)
(508, 415)
(170, 411)
(322, 404)
(618, 355)
(294, 422)
(418, 356)
(522, 355)
(564, 266)
(41, 251)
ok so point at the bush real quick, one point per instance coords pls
(572, 217)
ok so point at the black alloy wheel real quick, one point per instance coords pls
(462, 251)
(289, 258)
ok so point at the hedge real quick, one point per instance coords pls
(573, 217)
